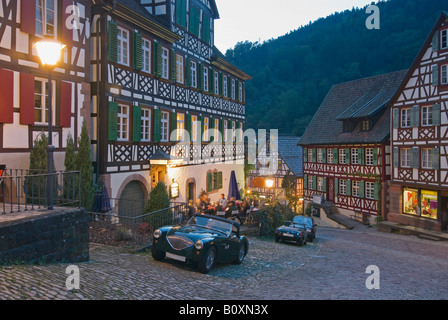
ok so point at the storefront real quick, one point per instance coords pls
(419, 207)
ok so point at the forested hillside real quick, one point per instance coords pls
(293, 73)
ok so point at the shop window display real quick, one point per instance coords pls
(429, 204)
(410, 201)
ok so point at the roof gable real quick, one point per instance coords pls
(356, 99)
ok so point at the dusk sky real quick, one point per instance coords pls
(260, 20)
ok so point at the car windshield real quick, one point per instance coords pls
(212, 224)
(303, 221)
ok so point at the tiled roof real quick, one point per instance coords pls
(363, 98)
(291, 153)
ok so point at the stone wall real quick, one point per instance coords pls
(56, 236)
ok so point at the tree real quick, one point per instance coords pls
(158, 198)
(39, 155)
(84, 165)
(70, 180)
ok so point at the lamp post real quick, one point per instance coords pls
(49, 51)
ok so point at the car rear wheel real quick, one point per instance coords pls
(157, 254)
(208, 261)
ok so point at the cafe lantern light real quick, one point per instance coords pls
(269, 183)
(49, 51)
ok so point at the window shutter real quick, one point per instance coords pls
(229, 87)
(435, 42)
(173, 126)
(157, 125)
(336, 187)
(221, 84)
(138, 50)
(188, 124)
(113, 34)
(26, 98)
(436, 113)
(211, 128)
(211, 80)
(436, 158)
(113, 121)
(181, 13)
(415, 157)
(188, 71)
(361, 156)
(65, 115)
(335, 156)
(157, 61)
(137, 124)
(67, 33)
(305, 181)
(314, 183)
(209, 181)
(28, 16)
(206, 28)
(314, 155)
(200, 77)
(375, 156)
(7, 96)
(348, 188)
(376, 190)
(305, 155)
(173, 65)
(396, 157)
(415, 116)
(194, 21)
(347, 156)
(237, 90)
(361, 189)
(220, 180)
(435, 76)
(324, 155)
(324, 186)
(396, 117)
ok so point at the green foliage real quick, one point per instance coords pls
(70, 155)
(271, 217)
(84, 165)
(39, 155)
(295, 72)
(158, 198)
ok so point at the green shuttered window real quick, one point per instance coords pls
(113, 121)
(113, 37)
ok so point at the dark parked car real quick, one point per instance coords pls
(310, 226)
(204, 240)
(301, 229)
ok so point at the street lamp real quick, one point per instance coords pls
(269, 184)
(49, 51)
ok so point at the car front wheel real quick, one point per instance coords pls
(157, 254)
(208, 261)
(241, 255)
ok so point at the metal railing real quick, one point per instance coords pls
(130, 229)
(25, 190)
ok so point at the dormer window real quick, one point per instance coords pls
(348, 126)
(366, 125)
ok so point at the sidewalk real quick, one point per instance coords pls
(393, 227)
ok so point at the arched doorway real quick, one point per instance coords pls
(132, 200)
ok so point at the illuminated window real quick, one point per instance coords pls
(45, 17)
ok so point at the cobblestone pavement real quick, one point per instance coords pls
(333, 267)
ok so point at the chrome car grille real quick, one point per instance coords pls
(179, 242)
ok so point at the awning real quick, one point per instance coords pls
(258, 182)
(161, 158)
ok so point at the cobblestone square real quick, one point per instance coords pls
(331, 268)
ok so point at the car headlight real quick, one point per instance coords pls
(199, 245)
(157, 234)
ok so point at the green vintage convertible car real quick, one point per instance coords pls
(203, 241)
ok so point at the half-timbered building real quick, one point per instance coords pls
(25, 83)
(288, 157)
(163, 97)
(419, 187)
(346, 146)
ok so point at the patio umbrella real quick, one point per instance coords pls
(101, 200)
(233, 187)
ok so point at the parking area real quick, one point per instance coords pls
(333, 267)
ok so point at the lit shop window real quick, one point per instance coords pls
(410, 201)
(429, 204)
